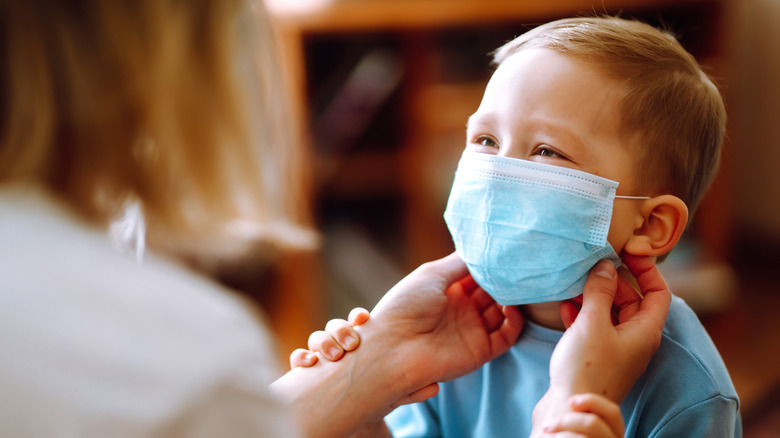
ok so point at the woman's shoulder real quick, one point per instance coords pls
(48, 254)
(88, 326)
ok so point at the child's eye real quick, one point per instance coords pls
(486, 141)
(543, 151)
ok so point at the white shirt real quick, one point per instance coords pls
(93, 344)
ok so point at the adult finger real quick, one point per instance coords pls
(569, 311)
(418, 396)
(507, 333)
(482, 299)
(493, 317)
(468, 284)
(646, 273)
(657, 297)
(450, 268)
(429, 282)
(627, 300)
(599, 291)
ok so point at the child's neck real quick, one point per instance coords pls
(545, 314)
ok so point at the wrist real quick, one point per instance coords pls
(336, 398)
(384, 362)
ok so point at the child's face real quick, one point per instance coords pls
(547, 107)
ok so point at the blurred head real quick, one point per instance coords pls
(667, 106)
(175, 104)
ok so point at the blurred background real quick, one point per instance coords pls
(382, 90)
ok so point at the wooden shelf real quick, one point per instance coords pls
(445, 106)
(373, 15)
(358, 175)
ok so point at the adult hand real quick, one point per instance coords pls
(446, 325)
(464, 322)
(435, 325)
(601, 352)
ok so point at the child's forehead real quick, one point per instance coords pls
(545, 62)
(541, 88)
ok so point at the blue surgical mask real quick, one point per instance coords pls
(529, 232)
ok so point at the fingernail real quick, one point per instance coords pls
(349, 342)
(605, 269)
(333, 352)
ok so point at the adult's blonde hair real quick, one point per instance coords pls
(667, 101)
(177, 105)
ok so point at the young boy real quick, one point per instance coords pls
(595, 137)
(573, 107)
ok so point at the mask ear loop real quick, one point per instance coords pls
(631, 197)
(624, 272)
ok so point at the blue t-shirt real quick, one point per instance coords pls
(685, 391)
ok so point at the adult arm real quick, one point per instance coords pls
(435, 325)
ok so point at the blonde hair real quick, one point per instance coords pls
(672, 107)
(176, 105)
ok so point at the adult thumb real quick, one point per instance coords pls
(450, 268)
(599, 291)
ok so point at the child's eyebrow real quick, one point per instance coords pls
(479, 119)
(550, 127)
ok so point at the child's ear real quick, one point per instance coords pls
(664, 219)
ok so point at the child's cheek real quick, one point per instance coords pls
(625, 219)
